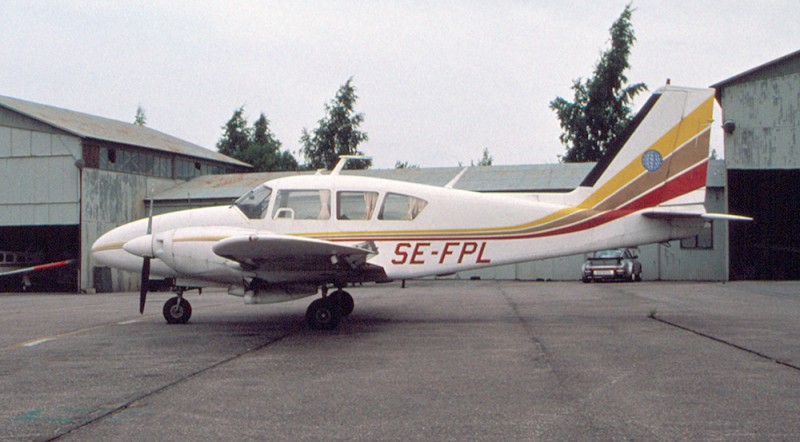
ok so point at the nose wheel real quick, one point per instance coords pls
(177, 310)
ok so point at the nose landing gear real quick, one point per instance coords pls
(177, 310)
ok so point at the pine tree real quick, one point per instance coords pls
(487, 159)
(255, 145)
(141, 118)
(236, 136)
(337, 133)
(263, 151)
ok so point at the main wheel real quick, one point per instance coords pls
(177, 311)
(344, 300)
(324, 314)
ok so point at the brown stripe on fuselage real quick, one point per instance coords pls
(683, 158)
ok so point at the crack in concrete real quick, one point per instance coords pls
(725, 342)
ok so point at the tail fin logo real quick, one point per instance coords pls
(652, 160)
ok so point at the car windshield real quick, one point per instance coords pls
(602, 254)
(255, 202)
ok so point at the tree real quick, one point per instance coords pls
(337, 133)
(236, 136)
(263, 150)
(487, 158)
(600, 110)
(405, 165)
(255, 145)
(141, 118)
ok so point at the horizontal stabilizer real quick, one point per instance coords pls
(677, 213)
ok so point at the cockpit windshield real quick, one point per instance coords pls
(255, 202)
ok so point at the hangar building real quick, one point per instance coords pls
(761, 120)
(68, 177)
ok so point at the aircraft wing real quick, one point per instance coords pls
(283, 254)
(273, 246)
(36, 268)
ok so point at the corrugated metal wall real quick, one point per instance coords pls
(111, 199)
(767, 117)
(41, 183)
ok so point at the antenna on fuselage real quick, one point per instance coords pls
(344, 159)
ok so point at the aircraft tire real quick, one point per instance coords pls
(344, 300)
(177, 311)
(323, 314)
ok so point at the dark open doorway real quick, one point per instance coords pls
(48, 244)
(769, 247)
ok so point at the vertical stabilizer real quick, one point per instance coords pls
(660, 159)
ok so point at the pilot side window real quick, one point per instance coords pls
(254, 203)
(302, 204)
(401, 207)
(356, 205)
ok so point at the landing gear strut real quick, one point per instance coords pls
(325, 313)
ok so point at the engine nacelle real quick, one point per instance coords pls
(188, 252)
(273, 293)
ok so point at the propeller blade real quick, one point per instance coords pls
(150, 218)
(145, 282)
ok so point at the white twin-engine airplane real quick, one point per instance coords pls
(294, 237)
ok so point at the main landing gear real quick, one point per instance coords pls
(326, 312)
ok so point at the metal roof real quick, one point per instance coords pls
(518, 178)
(786, 60)
(105, 129)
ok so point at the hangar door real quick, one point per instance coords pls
(769, 247)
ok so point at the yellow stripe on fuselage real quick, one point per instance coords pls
(685, 130)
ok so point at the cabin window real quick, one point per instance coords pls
(302, 204)
(401, 207)
(356, 205)
(254, 203)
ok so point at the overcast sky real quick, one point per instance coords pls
(437, 81)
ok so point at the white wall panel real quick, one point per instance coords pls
(20, 142)
(5, 141)
(41, 144)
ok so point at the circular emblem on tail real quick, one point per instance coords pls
(652, 160)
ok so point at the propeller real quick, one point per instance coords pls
(146, 264)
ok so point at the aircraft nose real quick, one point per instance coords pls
(140, 246)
